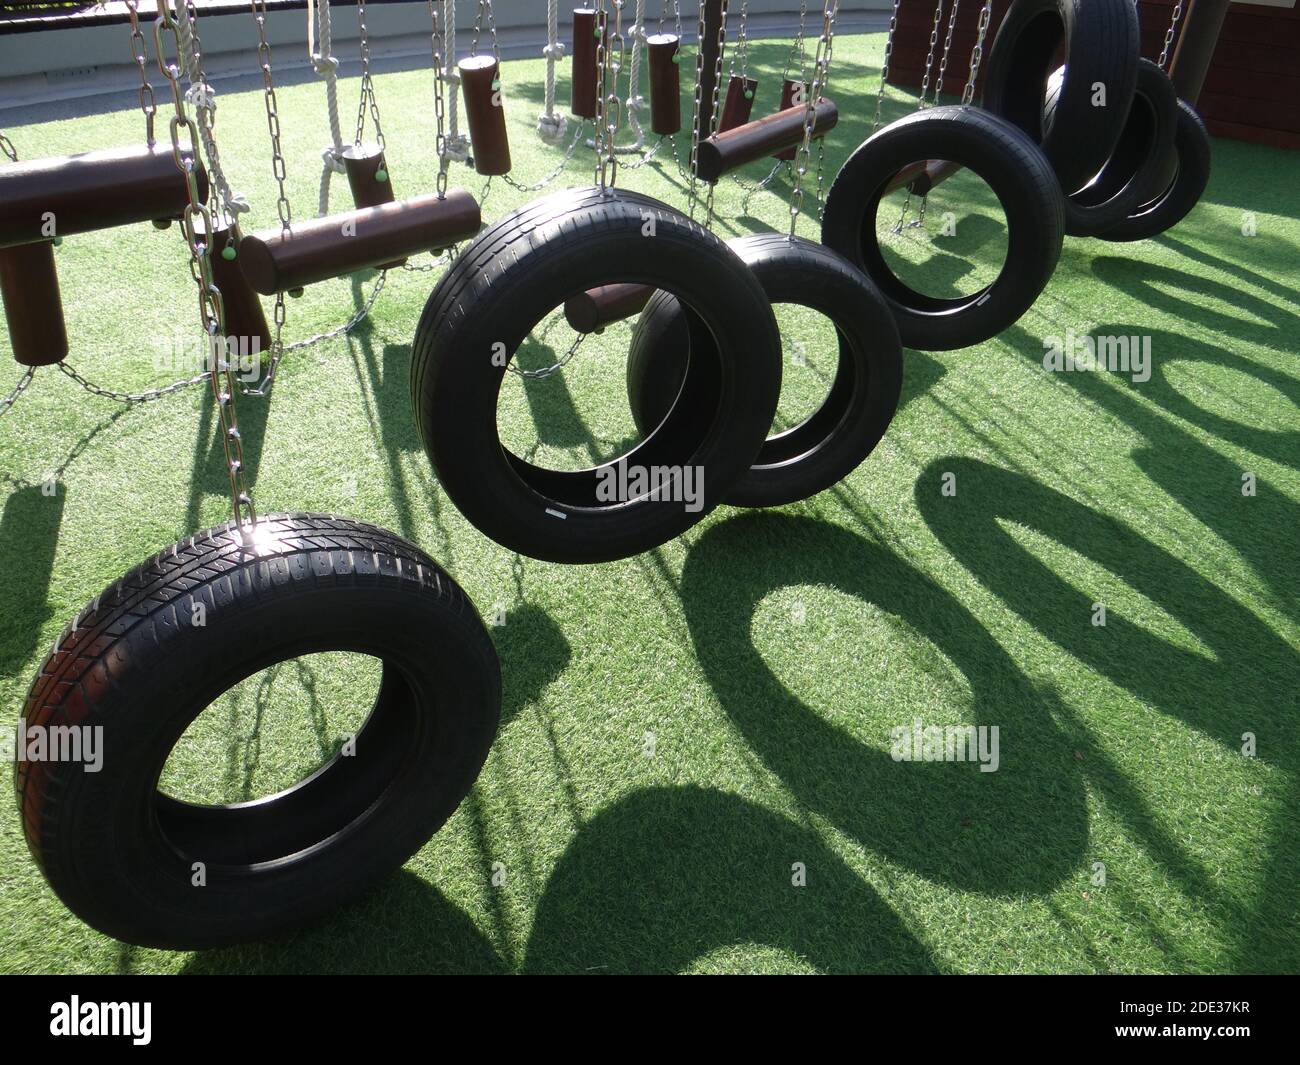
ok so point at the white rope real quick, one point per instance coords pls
(550, 125)
(319, 30)
(457, 144)
(635, 101)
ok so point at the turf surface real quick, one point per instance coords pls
(681, 728)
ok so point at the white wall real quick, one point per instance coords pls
(64, 64)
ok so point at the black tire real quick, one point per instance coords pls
(1138, 157)
(508, 280)
(1018, 174)
(1101, 44)
(120, 853)
(1162, 212)
(832, 442)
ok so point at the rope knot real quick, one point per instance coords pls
(332, 159)
(326, 66)
(554, 51)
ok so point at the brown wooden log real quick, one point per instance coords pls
(724, 152)
(665, 83)
(923, 176)
(367, 172)
(364, 165)
(598, 307)
(29, 284)
(736, 108)
(582, 69)
(484, 114)
(353, 240)
(67, 194)
(245, 320)
(789, 89)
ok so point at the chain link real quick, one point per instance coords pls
(1169, 34)
(821, 64)
(20, 388)
(439, 102)
(929, 59)
(211, 307)
(148, 396)
(947, 47)
(884, 67)
(977, 53)
(569, 152)
(556, 367)
(367, 85)
(140, 54)
(272, 113)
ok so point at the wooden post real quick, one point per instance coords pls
(582, 70)
(738, 105)
(709, 54)
(665, 84)
(486, 117)
(29, 284)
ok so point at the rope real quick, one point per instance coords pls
(326, 66)
(551, 125)
(457, 144)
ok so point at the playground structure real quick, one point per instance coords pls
(703, 377)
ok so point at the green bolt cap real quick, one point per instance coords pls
(381, 174)
(228, 253)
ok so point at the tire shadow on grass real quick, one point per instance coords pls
(1237, 689)
(667, 876)
(651, 884)
(1020, 829)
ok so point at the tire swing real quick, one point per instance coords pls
(1138, 158)
(827, 446)
(156, 647)
(1191, 169)
(1100, 41)
(516, 273)
(939, 140)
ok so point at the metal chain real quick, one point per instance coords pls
(1169, 34)
(977, 53)
(21, 387)
(537, 186)
(608, 105)
(272, 113)
(147, 396)
(821, 63)
(7, 146)
(367, 85)
(799, 49)
(884, 67)
(201, 95)
(713, 105)
(546, 371)
(929, 59)
(140, 53)
(742, 42)
(439, 102)
(947, 47)
(211, 306)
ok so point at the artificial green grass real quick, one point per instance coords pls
(681, 728)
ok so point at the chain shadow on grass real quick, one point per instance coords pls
(1020, 829)
(1238, 689)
